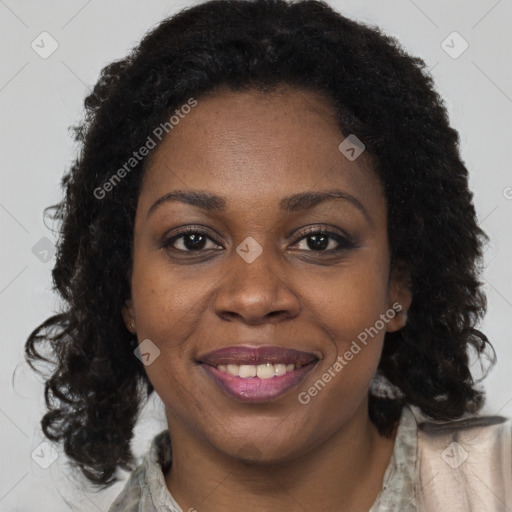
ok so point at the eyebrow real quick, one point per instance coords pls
(294, 203)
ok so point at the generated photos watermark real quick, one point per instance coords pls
(137, 156)
(341, 361)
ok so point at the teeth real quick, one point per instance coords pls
(247, 370)
(280, 369)
(262, 371)
(233, 369)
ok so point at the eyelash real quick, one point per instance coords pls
(345, 242)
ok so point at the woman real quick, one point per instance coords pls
(270, 225)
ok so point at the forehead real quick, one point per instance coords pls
(252, 144)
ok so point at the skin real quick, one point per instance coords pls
(254, 149)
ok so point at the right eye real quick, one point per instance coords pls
(191, 239)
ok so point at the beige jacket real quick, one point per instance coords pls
(465, 466)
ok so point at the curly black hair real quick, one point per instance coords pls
(96, 389)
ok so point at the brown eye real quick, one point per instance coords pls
(190, 240)
(322, 240)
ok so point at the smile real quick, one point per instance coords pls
(257, 374)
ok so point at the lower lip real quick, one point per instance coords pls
(254, 389)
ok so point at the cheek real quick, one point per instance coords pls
(166, 312)
(166, 301)
(349, 301)
(350, 314)
(349, 306)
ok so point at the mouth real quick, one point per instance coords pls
(257, 374)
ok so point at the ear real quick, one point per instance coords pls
(399, 296)
(129, 316)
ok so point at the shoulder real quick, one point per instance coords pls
(465, 463)
(130, 497)
(468, 439)
(145, 488)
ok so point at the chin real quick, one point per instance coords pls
(264, 449)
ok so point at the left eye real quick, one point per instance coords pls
(320, 241)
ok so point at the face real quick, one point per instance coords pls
(272, 259)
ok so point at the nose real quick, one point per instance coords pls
(258, 292)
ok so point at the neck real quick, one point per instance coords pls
(343, 473)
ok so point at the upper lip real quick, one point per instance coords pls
(257, 355)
